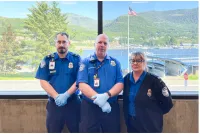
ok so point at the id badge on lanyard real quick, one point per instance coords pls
(52, 65)
(96, 81)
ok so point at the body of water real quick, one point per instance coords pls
(188, 56)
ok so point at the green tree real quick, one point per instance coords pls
(172, 41)
(42, 24)
(11, 51)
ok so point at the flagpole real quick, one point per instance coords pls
(128, 43)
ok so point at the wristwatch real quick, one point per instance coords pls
(109, 94)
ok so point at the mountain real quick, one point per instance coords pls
(185, 16)
(82, 21)
(156, 24)
(180, 24)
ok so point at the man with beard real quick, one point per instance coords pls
(100, 80)
(57, 73)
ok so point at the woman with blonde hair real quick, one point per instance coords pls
(146, 98)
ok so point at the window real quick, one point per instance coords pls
(27, 31)
(167, 32)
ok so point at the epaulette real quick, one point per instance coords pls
(75, 55)
(113, 58)
(91, 58)
(155, 76)
(50, 55)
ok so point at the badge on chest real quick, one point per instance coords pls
(70, 65)
(149, 92)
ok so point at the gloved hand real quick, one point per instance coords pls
(106, 108)
(61, 99)
(100, 99)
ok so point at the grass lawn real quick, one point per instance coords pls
(193, 77)
(17, 76)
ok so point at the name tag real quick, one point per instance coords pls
(52, 72)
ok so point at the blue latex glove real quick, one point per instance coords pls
(61, 99)
(100, 99)
(106, 108)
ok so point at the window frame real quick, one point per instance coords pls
(43, 94)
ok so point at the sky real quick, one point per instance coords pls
(112, 9)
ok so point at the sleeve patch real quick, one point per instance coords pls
(42, 64)
(165, 92)
(82, 67)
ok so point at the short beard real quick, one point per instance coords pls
(62, 51)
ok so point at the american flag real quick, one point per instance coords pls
(131, 12)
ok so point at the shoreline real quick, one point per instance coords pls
(126, 48)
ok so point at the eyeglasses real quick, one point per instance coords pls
(105, 43)
(136, 61)
(61, 42)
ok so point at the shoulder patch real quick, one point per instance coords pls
(42, 64)
(165, 92)
(81, 68)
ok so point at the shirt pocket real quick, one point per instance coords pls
(70, 75)
(69, 71)
(111, 74)
(52, 77)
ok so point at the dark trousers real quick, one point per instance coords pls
(93, 120)
(68, 114)
(132, 125)
(136, 125)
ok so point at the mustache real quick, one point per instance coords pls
(61, 48)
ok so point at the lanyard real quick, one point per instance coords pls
(97, 68)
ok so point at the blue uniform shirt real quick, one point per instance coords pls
(133, 92)
(109, 74)
(63, 75)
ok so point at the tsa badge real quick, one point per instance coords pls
(165, 92)
(81, 68)
(149, 92)
(70, 65)
(113, 63)
(42, 64)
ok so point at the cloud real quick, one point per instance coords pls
(23, 15)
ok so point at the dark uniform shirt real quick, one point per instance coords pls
(108, 71)
(133, 92)
(62, 73)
